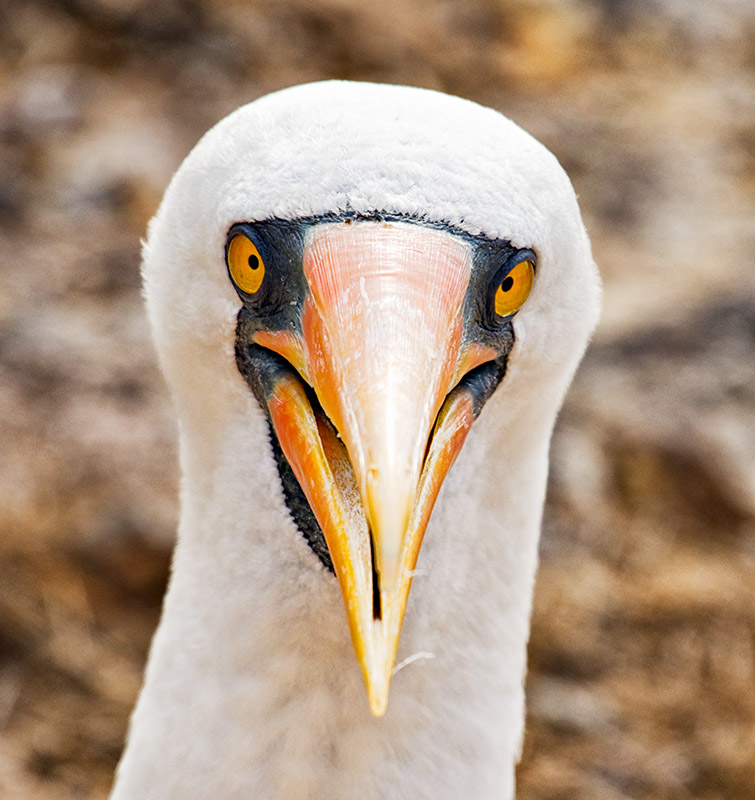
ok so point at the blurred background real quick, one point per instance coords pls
(642, 681)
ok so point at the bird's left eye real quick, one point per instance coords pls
(245, 264)
(514, 288)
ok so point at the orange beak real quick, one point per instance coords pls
(382, 348)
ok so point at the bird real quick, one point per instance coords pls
(368, 302)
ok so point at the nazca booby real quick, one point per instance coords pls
(341, 278)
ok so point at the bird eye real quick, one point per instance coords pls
(514, 288)
(245, 264)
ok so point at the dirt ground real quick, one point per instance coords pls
(642, 679)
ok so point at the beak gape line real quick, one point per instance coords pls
(370, 405)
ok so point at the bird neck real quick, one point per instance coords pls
(252, 687)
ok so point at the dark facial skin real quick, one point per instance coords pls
(278, 304)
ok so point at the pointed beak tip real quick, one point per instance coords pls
(378, 697)
(378, 706)
(377, 669)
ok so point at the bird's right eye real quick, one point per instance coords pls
(245, 264)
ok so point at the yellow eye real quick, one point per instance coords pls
(245, 264)
(514, 289)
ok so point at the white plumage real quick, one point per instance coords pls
(252, 688)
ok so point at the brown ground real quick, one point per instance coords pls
(642, 680)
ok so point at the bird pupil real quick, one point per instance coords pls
(507, 283)
(254, 262)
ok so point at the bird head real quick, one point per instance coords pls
(369, 263)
